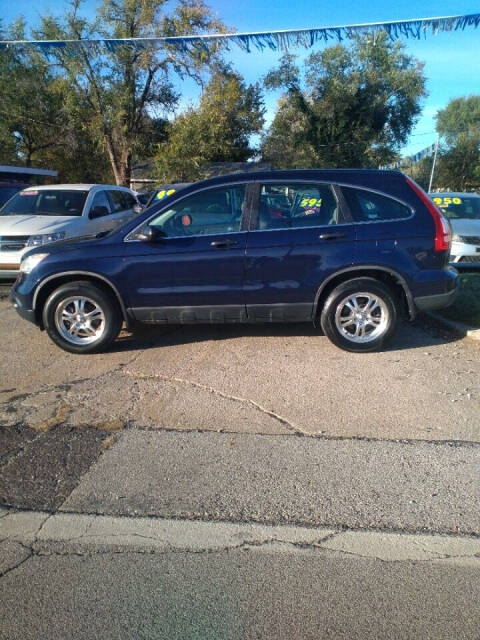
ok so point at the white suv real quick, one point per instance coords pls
(39, 215)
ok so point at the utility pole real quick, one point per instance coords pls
(433, 166)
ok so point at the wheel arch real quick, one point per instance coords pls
(49, 284)
(383, 274)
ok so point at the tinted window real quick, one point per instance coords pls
(118, 201)
(54, 202)
(130, 201)
(458, 206)
(290, 205)
(366, 206)
(208, 212)
(101, 200)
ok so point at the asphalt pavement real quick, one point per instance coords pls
(239, 482)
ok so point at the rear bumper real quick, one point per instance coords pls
(437, 301)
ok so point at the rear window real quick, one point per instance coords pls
(368, 206)
(454, 207)
(55, 202)
(291, 205)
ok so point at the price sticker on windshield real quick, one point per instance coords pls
(446, 201)
(164, 193)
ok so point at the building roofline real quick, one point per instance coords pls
(31, 171)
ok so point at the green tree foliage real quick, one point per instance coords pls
(353, 106)
(32, 119)
(119, 95)
(460, 120)
(459, 125)
(458, 161)
(218, 130)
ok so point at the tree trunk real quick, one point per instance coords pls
(121, 166)
(126, 167)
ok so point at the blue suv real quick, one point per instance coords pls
(350, 250)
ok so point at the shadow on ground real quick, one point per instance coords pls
(409, 336)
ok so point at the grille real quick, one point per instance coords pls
(471, 239)
(13, 243)
(470, 259)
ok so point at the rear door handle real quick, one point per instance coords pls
(331, 236)
(222, 244)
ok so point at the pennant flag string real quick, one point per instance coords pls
(273, 40)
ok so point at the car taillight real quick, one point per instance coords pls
(443, 232)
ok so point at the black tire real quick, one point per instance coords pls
(107, 326)
(386, 318)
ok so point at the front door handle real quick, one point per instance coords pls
(331, 236)
(222, 244)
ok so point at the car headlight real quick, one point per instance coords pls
(30, 262)
(44, 238)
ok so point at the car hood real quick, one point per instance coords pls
(465, 227)
(31, 225)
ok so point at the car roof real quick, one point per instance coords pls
(74, 187)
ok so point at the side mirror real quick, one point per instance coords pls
(98, 212)
(150, 234)
(137, 208)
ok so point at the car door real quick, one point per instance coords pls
(299, 235)
(131, 204)
(122, 206)
(97, 224)
(193, 272)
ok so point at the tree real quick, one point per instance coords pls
(120, 91)
(460, 120)
(354, 106)
(459, 125)
(41, 122)
(218, 130)
(31, 103)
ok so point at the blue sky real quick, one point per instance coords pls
(451, 59)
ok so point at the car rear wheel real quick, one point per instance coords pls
(81, 317)
(360, 315)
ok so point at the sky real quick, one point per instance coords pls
(451, 60)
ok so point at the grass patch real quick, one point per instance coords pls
(467, 304)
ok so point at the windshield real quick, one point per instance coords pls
(455, 207)
(48, 202)
(6, 193)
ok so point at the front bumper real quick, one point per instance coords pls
(465, 255)
(22, 306)
(9, 271)
(10, 263)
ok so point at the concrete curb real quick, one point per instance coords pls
(458, 329)
(72, 533)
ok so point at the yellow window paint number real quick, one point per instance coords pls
(446, 201)
(163, 193)
(311, 202)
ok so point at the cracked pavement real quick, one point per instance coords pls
(87, 577)
(265, 379)
(239, 482)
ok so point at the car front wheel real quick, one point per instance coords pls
(81, 317)
(360, 315)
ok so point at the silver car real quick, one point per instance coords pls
(39, 215)
(463, 212)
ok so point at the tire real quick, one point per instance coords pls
(362, 326)
(82, 327)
